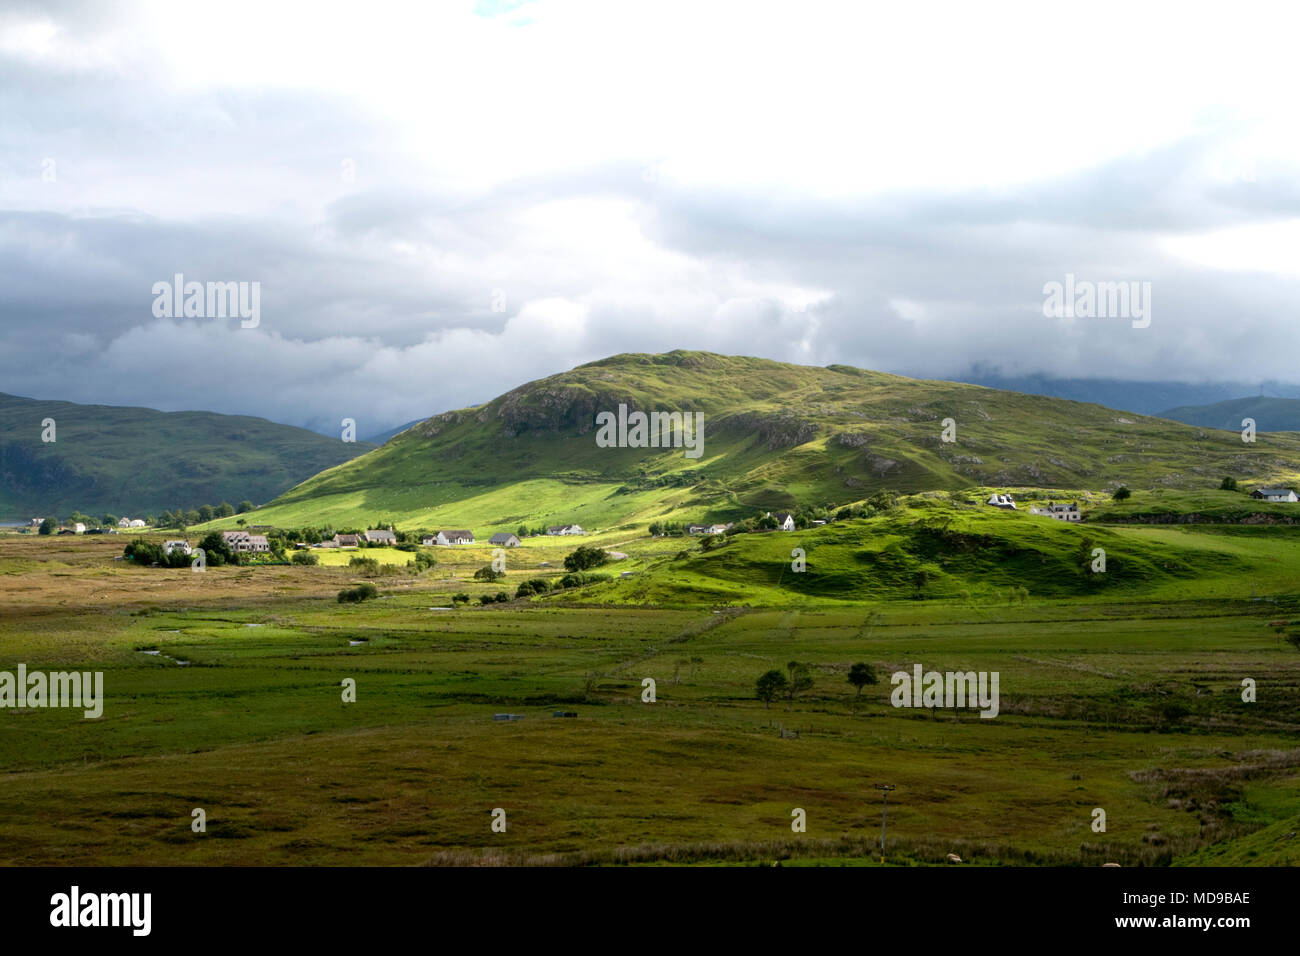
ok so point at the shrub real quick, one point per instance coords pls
(488, 573)
(532, 586)
(1122, 494)
(486, 599)
(460, 598)
(1228, 484)
(578, 578)
(361, 592)
(305, 557)
(585, 557)
(366, 566)
(502, 597)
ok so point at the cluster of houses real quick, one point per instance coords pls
(78, 527)
(448, 537)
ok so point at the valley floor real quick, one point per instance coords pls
(1130, 706)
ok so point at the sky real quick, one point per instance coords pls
(441, 201)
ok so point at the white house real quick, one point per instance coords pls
(182, 546)
(78, 528)
(124, 522)
(719, 528)
(241, 542)
(1274, 494)
(564, 529)
(784, 521)
(36, 522)
(1059, 510)
(452, 537)
(1001, 501)
(137, 523)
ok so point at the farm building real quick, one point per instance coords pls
(564, 529)
(1059, 510)
(1274, 494)
(445, 538)
(504, 539)
(1001, 501)
(784, 521)
(380, 536)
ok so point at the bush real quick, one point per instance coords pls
(585, 557)
(366, 566)
(1122, 494)
(579, 578)
(486, 599)
(489, 574)
(361, 592)
(532, 586)
(502, 597)
(461, 598)
(1228, 484)
(305, 557)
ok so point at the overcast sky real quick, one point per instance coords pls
(443, 200)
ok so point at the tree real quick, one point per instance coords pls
(585, 557)
(801, 678)
(215, 550)
(245, 506)
(1228, 484)
(488, 573)
(1122, 494)
(305, 557)
(193, 517)
(224, 510)
(109, 521)
(770, 686)
(48, 526)
(860, 675)
(206, 513)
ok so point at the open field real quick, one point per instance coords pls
(1127, 700)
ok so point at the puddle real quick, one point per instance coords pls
(175, 660)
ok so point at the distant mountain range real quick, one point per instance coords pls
(137, 461)
(1270, 414)
(1145, 398)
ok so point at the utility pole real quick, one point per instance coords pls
(884, 809)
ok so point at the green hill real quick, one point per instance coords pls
(776, 435)
(135, 461)
(1270, 414)
(928, 546)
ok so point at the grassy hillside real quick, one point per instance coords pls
(776, 435)
(1270, 414)
(108, 458)
(979, 557)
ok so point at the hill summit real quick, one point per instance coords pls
(774, 435)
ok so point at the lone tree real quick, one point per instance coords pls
(1122, 494)
(1228, 484)
(800, 679)
(770, 686)
(585, 557)
(860, 675)
(47, 526)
